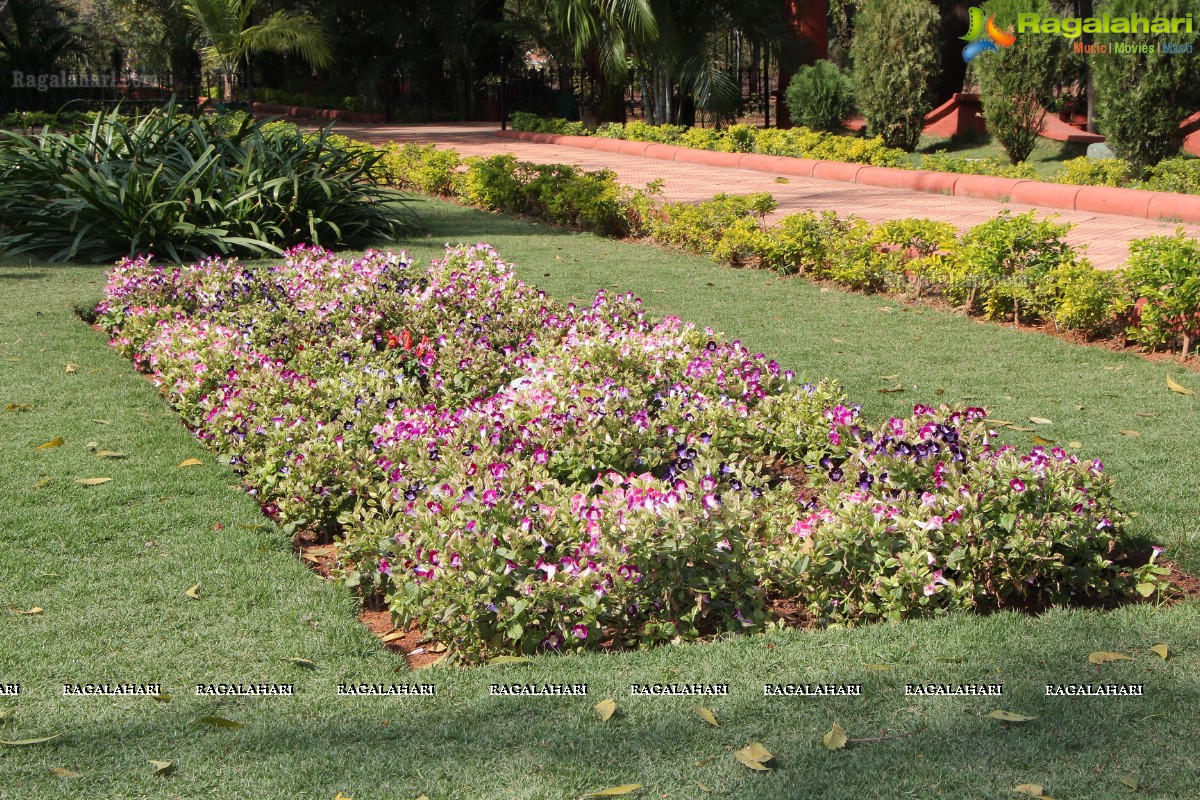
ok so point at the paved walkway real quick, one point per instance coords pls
(1103, 237)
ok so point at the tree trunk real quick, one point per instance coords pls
(1084, 9)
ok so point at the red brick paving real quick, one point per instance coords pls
(1103, 237)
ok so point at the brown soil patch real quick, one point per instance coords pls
(1184, 586)
(417, 652)
(315, 549)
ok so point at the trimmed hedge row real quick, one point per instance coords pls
(1011, 267)
(1181, 175)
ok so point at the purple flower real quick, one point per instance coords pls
(1017, 485)
(580, 631)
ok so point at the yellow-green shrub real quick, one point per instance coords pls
(1084, 171)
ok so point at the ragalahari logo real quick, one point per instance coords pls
(984, 37)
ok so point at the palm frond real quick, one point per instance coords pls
(289, 33)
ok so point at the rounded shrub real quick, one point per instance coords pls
(820, 97)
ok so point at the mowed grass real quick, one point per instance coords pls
(110, 565)
(1046, 158)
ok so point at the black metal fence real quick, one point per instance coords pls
(548, 92)
(131, 88)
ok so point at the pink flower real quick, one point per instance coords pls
(1017, 485)
(938, 580)
(580, 631)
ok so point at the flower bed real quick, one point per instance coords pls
(515, 475)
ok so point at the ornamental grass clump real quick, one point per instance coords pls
(183, 188)
(516, 476)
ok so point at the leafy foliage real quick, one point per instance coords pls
(1142, 97)
(1080, 297)
(1005, 260)
(796, 142)
(942, 162)
(1084, 171)
(896, 59)
(1163, 275)
(183, 188)
(1016, 82)
(1174, 175)
(567, 195)
(700, 227)
(1018, 267)
(517, 476)
(820, 97)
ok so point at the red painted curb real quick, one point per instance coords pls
(1039, 193)
(988, 187)
(587, 142)
(924, 180)
(1100, 199)
(708, 158)
(1109, 200)
(1184, 207)
(632, 148)
(756, 161)
(663, 152)
(836, 171)
(800, 167)
(887, 177)
(608, 145)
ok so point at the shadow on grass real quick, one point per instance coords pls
(466, 744)
(982, 145)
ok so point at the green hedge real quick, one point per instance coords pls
(1011, 267)
(1180, 175)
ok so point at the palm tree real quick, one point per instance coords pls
(596, 34)
(39, 35)
(226, 25)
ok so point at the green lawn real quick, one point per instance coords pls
(110, 565)
(1046, 158)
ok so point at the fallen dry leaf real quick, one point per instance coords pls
(754, 756)
(834, 738)
(1008, 716)
(707, 715)
(616, 791)
(1175, 387)
(606, 708)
